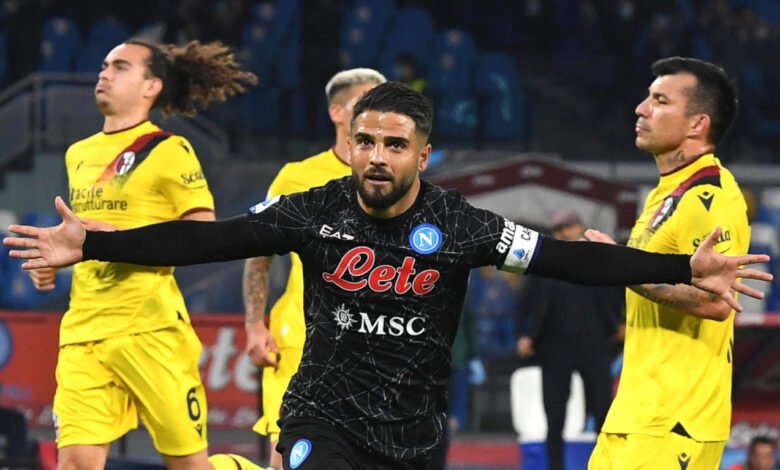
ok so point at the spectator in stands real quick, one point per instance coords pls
(570, 327)
(761, 455)
(127, 347)
(406, 71)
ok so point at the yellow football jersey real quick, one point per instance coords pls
(287, 323)
(677, 368)
(135, 177)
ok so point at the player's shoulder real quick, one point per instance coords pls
(85, 142)
(174, 144)
(436, 195)
(336, 189)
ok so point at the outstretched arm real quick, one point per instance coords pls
(175, 243)
(616, 265)
(690, 299)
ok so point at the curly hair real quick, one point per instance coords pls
(194, 75)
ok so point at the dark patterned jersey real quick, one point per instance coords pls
(382, 301)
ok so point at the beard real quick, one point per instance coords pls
(375, 198)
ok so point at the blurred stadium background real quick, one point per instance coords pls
(534, 112)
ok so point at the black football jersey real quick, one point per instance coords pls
(382, 302)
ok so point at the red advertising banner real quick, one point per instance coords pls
(28, 356)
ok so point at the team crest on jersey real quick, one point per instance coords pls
(300, 451)
(256, 209)
(425, 239)
(124, 163)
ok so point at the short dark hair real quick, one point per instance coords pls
(762, 440)
(396, 97)
(714, 94)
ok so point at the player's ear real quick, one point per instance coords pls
(335, 112)
(699, 125)
(425, 157)
(154, 87)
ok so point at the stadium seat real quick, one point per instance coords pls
(258, 51)
(362, 29)
(108, 32)
(261, 110)
(60, 39)
(497, 74)
(452, 62)
(89, 58)
(412, 32)
(457, 116)
(767, 9)
(504, 117)
(372, 13)
(287, 71)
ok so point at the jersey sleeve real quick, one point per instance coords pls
(279, 224)
(702, 209)
(181, 178)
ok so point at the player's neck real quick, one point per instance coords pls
(341, 149)
(116, 123)
(669, 162)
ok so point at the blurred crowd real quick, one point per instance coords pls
(603, 47)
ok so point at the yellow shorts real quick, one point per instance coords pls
(275, 382)
(643, 452)
(103, 386)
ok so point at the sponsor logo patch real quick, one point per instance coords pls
(256, 209)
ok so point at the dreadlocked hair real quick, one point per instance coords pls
(194, 75)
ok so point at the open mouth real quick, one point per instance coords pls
(378, 177)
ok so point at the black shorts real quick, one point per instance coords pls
(309, 444)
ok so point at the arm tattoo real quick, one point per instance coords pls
(680, 297)
(255, 287)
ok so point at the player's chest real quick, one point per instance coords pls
(411, 260)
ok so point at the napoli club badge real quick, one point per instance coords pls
(300, 451)
(425, 239)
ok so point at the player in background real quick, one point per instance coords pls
(673, 404)
(127, 347)
(279, 350)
